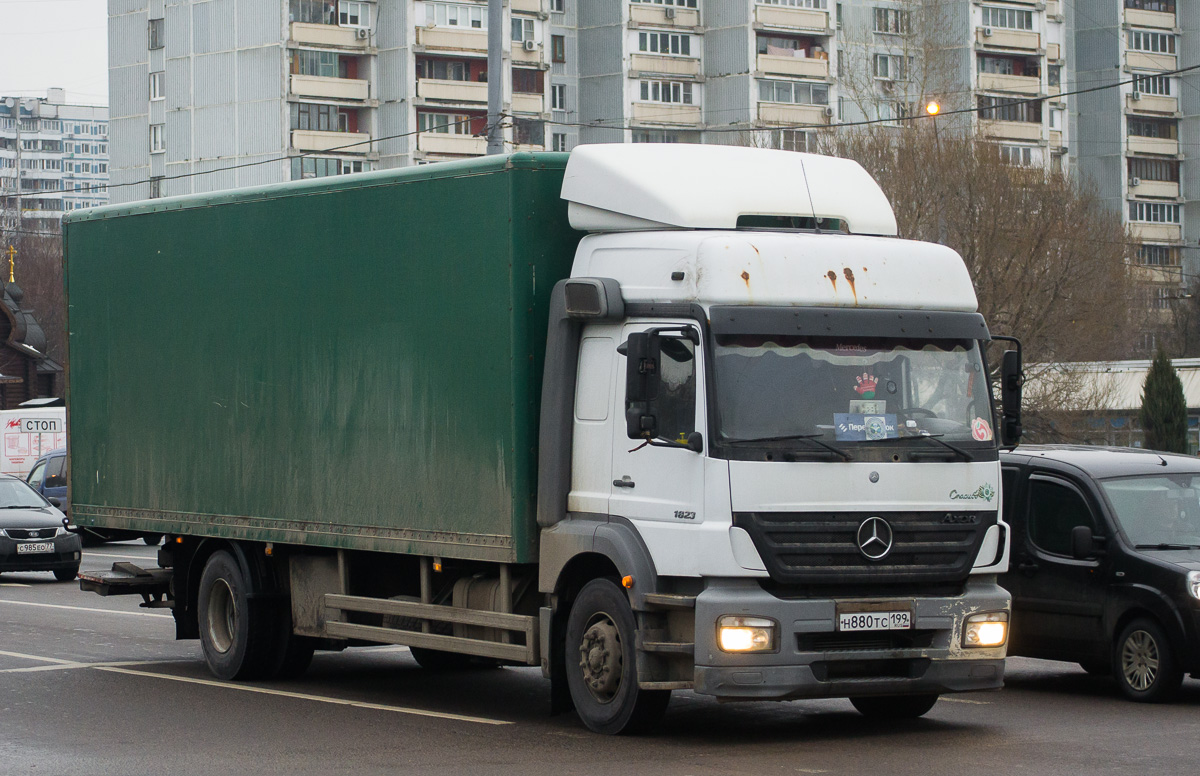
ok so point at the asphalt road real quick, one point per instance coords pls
(92, 685)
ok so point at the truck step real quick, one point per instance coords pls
(669, 647)
(670, 601)
(677, 685)
(153, 585)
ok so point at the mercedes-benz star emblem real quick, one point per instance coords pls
(874, 538)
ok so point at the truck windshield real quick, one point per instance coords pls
(850, 391)
(1157, 511)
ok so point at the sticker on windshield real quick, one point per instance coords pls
(868, 406)
(866, 385)
(981, 430)
(857, 427)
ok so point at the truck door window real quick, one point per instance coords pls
(1054, 509)
(1008, 491)
(675, 407)
(35, 476)
(54, 472)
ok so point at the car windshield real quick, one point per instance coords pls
(851, 390)
(1157, 509)
(15, 494)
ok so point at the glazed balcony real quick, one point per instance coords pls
(802, 67)
(330, 88)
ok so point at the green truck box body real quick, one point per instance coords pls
(350, 362)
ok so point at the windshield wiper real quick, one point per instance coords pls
(814, 438)
(1167, 546)
(23, 506)
(934, 438)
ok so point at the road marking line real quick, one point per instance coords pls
(307, 697)
(39, 658)
(13, 584)
(964, 700)
(87, 555)
(68, 666)
(84, 609)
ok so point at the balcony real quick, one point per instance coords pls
(1155, 232)
(657, 16)
(452, 91)
(778, 113)
(1152, 145)
(803, 67)
(1021, 84)
(526, 6)
(451, 145)
(649, 63)
(1056, 138)
(1157, 273)
(1008, 39)
(1011, 130)
(1138, 18)
(523, 102)
(329, 35)
(1156, 189)
(783, 17)
(1144, 60)
(1054, 8)
(329, 88)
(315, 140)
(522, 54)
(1152, 103)
(1053, 52)
(663, 113)
(452, 39)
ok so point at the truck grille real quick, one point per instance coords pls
(822, 547)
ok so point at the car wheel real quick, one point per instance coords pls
(66, 575)
(601, 660)
(237, 643)
(894, 706)
(1144, 665)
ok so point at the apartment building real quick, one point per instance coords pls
(1133, 141)
(215, 94)
(53, 159)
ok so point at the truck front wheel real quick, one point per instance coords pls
(601, 661)
(236, 643)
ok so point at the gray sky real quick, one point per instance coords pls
(46, 43)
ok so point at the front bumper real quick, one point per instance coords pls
(815, 661)
(67, 553)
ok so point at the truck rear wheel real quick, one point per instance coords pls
(601, 661)
(237, 643)
(894, 706)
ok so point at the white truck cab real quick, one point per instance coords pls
(781, 440)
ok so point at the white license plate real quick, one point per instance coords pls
(29, 547)
(862, 621)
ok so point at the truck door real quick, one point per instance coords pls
(653, 483)
(1059, 599)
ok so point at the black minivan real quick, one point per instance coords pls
(1105, 567)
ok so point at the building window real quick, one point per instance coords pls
(793, 92)
(1154, 169)
(892, 67)
(156, 85)
(677, 3)
(321, 63)
(665, 43)
(1053, 75)
(312, 11)
(789, 139)
(157, 141)
(527, 81)
(1159, 255)
(1162, 6)
(473, 17)
(1154, 212)
(156, 33)
(667, 91)
(1007, 18)
(1018, 156)
(1003, 109)
(558, 48)
(664, 136)
(557, 5)
(322, 118)
(558, 96)
(892, 20)
(443, 69)
(559, 141)
(1164, 129)
(815, 4)
(444, 123)
(1153, 42)
(1159, 85)
(522, 30)
(529, 132)
(156, 186)
(354, 14)
(790, 46)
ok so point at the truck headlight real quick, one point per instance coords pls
(986, 630)
(746, 634)
(1193, 584)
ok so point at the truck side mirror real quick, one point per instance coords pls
(1011, 380)
(1083, 544)
(642, 353)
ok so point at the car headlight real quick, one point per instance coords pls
(63, 531)
(986, 630)
(746, 634)
(1193, 584)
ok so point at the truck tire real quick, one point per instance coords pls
(66, 575)
(1144, 663)
(238, 643)
(894, 706)
(601, 661)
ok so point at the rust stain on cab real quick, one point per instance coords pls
(832, 279)
(849, 273)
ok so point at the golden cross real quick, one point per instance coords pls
(12, 254)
